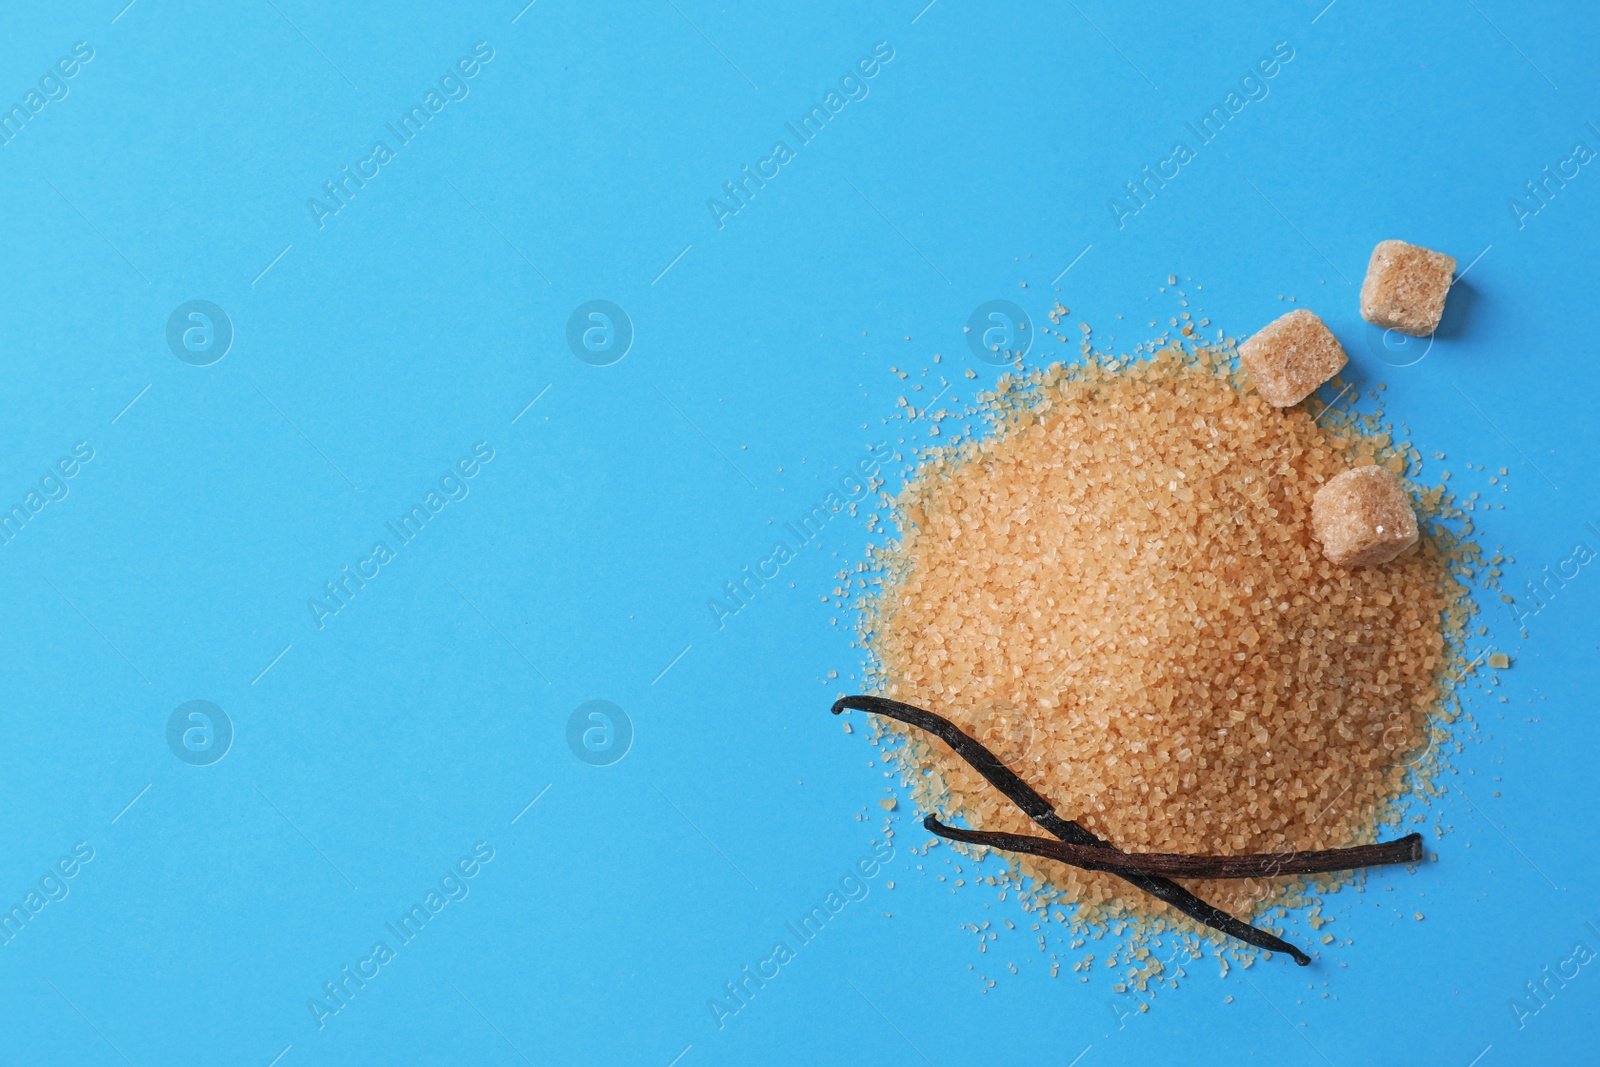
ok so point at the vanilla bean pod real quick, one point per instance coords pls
(1407, 849)
(1040, 811)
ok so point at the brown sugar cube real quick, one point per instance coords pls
(1363, 518)
(1405, 287)
(1290, 356)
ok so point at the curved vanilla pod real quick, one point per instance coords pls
(1040, 811)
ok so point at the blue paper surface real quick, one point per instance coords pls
(572, 348)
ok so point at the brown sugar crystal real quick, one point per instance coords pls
(1362, 518)
(1405, 287)
(1290, 356)
(1118, 591)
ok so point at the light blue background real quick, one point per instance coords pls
(425, 716)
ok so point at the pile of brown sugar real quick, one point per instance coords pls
(1117, 591)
